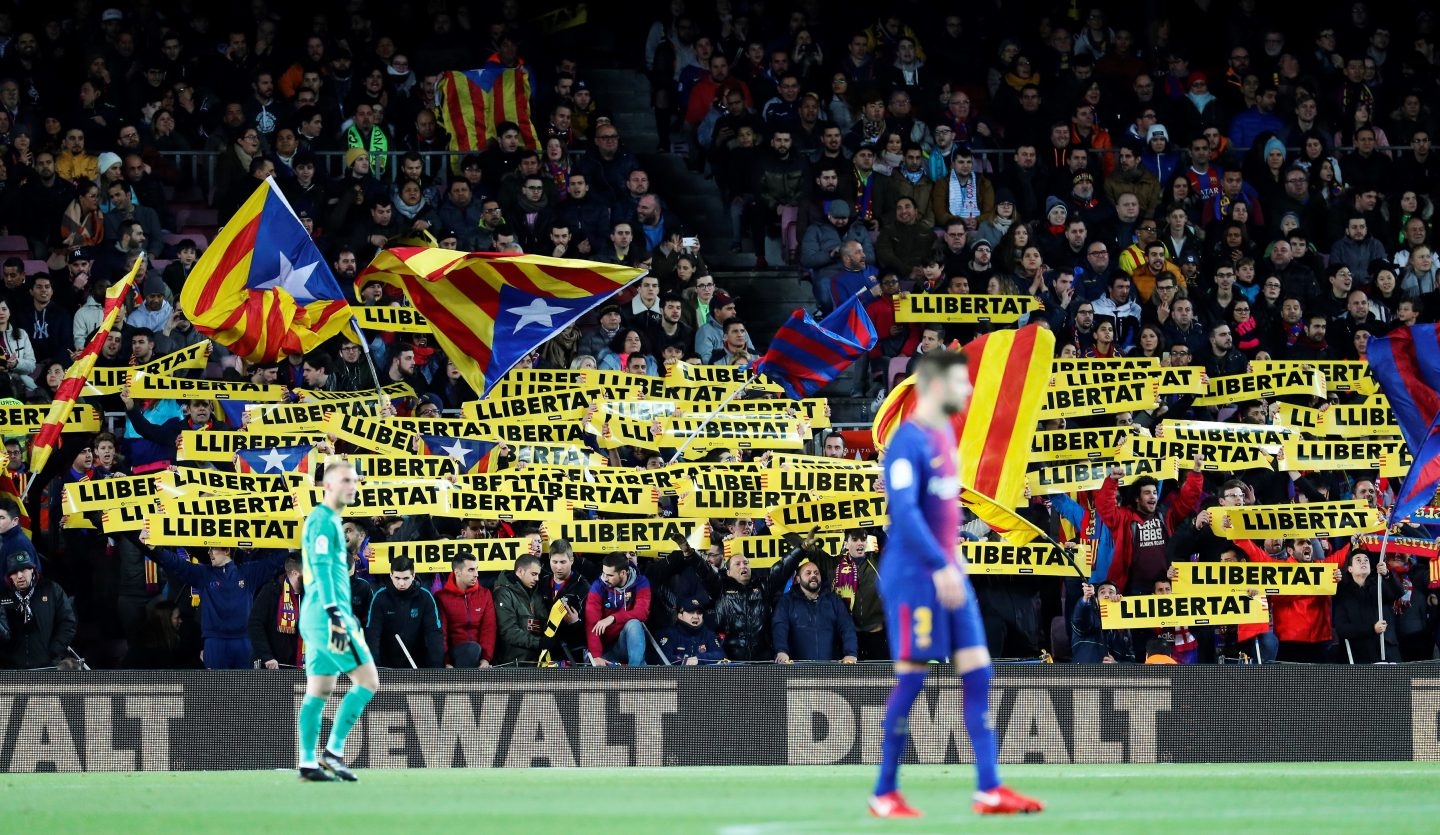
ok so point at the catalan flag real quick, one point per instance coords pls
(263, 289)
(271, 460)
(1012, 527)
(806, 355)
(473, 456)
(1406, 364)
(1010, 371)
(473, 102)
(69, 391)
(488, 310)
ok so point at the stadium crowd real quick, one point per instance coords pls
(1210, 188)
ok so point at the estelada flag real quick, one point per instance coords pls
(475, 102)
(473, 456)
(1406, 364)
(1010, 372)
(275, 459)
(263, 289)
(490, 310)
(79, 371)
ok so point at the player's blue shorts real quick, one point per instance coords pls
(920, 629)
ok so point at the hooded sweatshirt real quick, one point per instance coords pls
(630, 601)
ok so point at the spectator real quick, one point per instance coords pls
(710, 336)
(779, 190)
(908, 179)
(1358, 627)
(122, 208)
(403, 613)
(226, 590)
(521, 615)
(964, 195)
(689, 641)
(905, 243)
(823, 251)
(275, 620)
(810, 622)
(37, 617)
(1089, 642)
(1140, 532)
(467, 616)
(566, 586)
(615, 613)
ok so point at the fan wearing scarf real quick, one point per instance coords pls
(275, 620)
(853, 575)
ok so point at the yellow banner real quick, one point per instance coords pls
(1147, 611)
(109, 493)
(1089, 475)
(1183, 380)
(1253, 386)
(1300, 418)
(1265, 577)
(128, 517)
(1391, 456)
(393, 498)
(648, 385)
(195, 479)
(684, 375)
(1061, 366)
(110, 379)
(636, 499)
(830, 515)
(1316, 520)
(392, 468)
(434, 556)
(571, 455)
(301, 417)
(17, 419)
(1035, 559)
(1268, 437)
(567, 405)
(223, 532)
(390, 318)
(371, 434)
(812, 409)
(1218, 457)
(765, 551)
(1140, 395)
(732, 432)
(638, 410)
(715, 504)
(538, 434)
(950, 309)
(820, 462)
(274, 504)
(159, 387)
(820, 481)
(209, 445)
(472, 504)
(646, 537)
(394, 391)
(1373, 418)
(1073, 444)
(613, 432)
(1340, 375)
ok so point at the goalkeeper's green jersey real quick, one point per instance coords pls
(327, 570)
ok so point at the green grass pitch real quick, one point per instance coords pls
(1306, 798)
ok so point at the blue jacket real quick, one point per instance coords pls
(1089, 643)
(156, 443)
(1250, 124)
(807, 630)
(1073, 513)
(682, 641)
(226, 593)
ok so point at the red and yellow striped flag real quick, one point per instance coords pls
(69, 391)
(489, 310)
(474, 102)
(1010, 371)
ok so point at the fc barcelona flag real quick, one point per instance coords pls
(474, 102)
(263, 289)
(806, 355)
(1406, 364)
(488, 310)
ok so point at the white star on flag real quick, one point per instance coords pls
(293, 280)
(457, 451)
(274, 461)
(536, 311)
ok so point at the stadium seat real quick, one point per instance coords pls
(896, 372)
(14, 245)
(36, 267)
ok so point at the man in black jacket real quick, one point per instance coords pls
(37, 617)
(567, 583)
(403, 612)
(521, 615)
(743, 610)
(275, 620)
(810, 621)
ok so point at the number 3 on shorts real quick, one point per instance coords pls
(923, 625)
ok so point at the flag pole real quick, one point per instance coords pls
(706, 421)
(370, 361)
(1380, 581)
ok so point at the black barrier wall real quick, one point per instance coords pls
(804, 715)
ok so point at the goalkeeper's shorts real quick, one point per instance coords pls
(321, 660)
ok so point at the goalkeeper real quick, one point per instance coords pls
(334, 641)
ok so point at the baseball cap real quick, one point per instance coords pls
(1189, 258)
(79, 253)
(18, 561)
(690, 605)
(111, 14)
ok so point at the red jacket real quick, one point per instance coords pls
(1120, 520)
(467, 616)
(1298, 617)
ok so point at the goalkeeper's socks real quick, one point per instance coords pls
(311, 711)
(345, 718)
(897, 729)
(976, 687)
